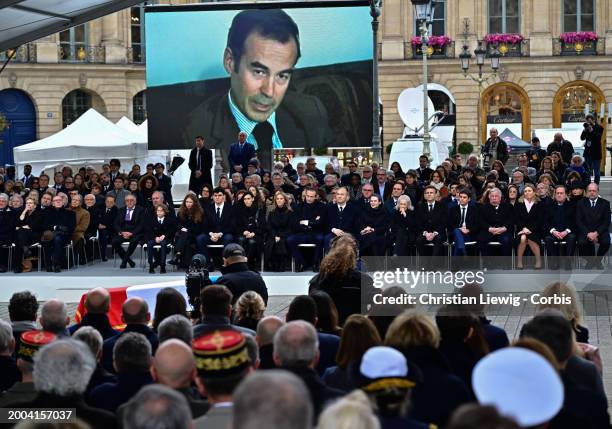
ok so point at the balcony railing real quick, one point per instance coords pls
(433, 52)
(520, 49)
(24, 54)
(588, 48)
(81, 54)
(136, 55)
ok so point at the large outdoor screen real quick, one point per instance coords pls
(214, 70)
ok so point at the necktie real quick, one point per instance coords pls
(592, 204)
(107, 211)
(128, 214)
(340, 208)
(161, 221)
(462, 215)
(430, 207)
(218, 213)
(263, 133)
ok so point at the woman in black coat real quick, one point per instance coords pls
(249, 226)
(403, 226)
(190, 220)
(373, 228)
(28, 229)
(528, 215)
(278, 227)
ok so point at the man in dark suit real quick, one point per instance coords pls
(129, 227)
(382, 186)
(560, 226)
(164, 182)
(535, 154)
(345, 180)
(58, 225)
(218, 224)
(240, 154)
(592, 135)
(258, 102)
(27, 177)
(115, 165)
(341, 217)
(7, 230)
(424, 172)
(463, 222)
(309, 227)
(106, 224)
(564, 147)
(495, 224)
(431, 223)
(593, 222)
(200, 163)
(396, 191)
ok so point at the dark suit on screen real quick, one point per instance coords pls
(240, 156)
(295, 119)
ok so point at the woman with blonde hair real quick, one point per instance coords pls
(278, 227)
(529, 217)
(416, 335)
(571, 310)
(249, 309)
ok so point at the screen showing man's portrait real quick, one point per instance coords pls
(290, 72)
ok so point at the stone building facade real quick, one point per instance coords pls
(542, 83)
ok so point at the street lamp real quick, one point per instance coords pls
(424, 12)
(480, 78)
(375, 6)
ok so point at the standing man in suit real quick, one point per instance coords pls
(200, 163)
(115, 165)
(27, 176)
(463, 222)
(240, 154)
(129, 226)
(263, 48)
(564, 147)
(218, 223)
(431, 222)
(494, 148)
(496, 224)
(424, 172)
(560, 225)
(341, 217)
(593, 221)
(592, 145)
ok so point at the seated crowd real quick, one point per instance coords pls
(540, 204)
(319, 367)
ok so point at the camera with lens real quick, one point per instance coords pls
(196, 278)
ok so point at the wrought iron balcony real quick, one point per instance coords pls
(520, 49)
(433, 52)
(23, 54)
(586, 48)
(136, 55)
(81, 54)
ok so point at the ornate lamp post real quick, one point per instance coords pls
(480, 78)
(424, 11)
(375, 6)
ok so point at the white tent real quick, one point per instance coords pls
(91, 139)
(127, 124)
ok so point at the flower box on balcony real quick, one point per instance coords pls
(581, 43)
(437, 47)
(508, 45)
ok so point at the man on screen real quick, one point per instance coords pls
(263, 47)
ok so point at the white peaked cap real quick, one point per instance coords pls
(520, 383)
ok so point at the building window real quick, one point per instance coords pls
(506, 106)
(137, 32)
(504, 16)
(74, 104)
(438, 26)
(73, 44)
(578, 15)
(139, 105)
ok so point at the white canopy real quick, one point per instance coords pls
(127, 124)
(91, 139)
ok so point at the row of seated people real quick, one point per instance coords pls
(278, 231)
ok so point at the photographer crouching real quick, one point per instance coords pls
(592, 145)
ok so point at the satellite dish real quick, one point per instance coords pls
(410, 108)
